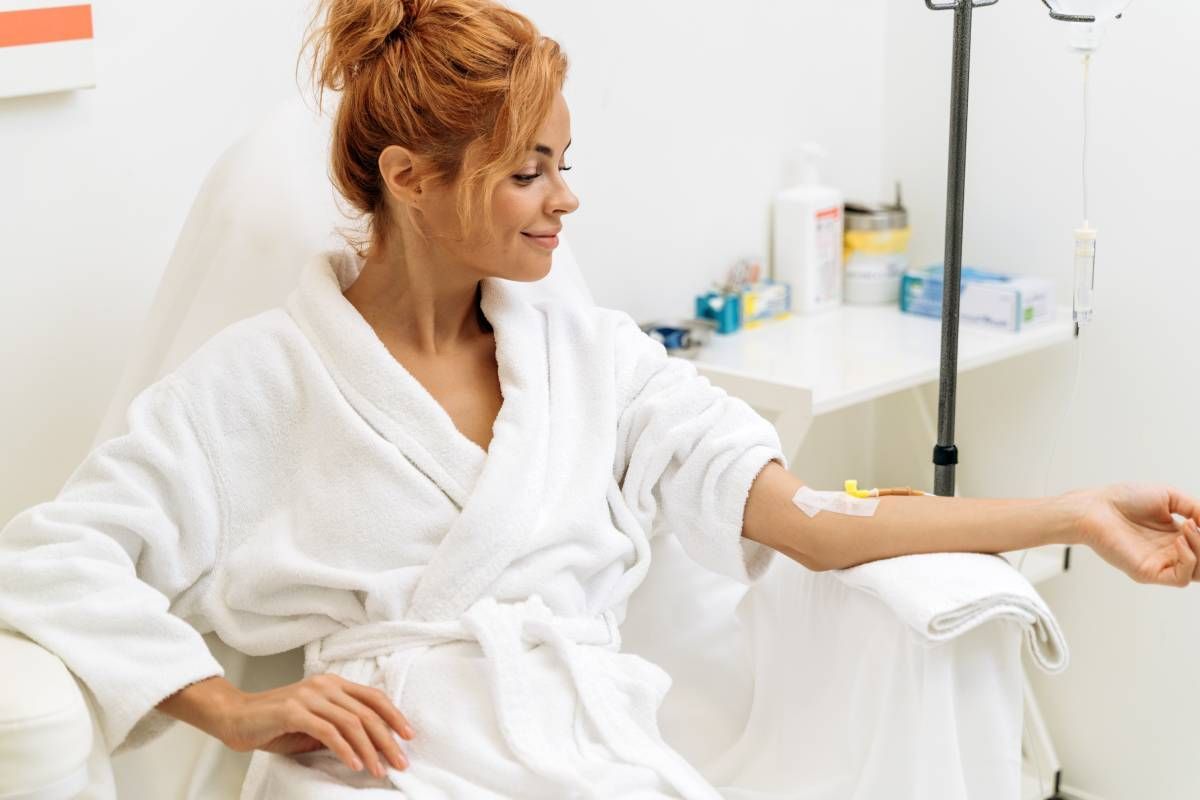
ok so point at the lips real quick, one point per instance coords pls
(546, 240)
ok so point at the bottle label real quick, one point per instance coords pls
(829, 251)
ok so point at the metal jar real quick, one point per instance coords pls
(876, 256)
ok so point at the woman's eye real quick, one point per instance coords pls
(527, 179)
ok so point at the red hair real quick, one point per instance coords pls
(439, 77)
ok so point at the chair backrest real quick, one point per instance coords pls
(264, 209)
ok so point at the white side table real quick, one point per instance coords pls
(800, 368)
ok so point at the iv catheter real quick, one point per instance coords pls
(853, 490)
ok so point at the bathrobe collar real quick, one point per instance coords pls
(499, 492)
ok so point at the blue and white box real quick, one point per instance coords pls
(990, 299)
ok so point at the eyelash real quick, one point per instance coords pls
(525, 180)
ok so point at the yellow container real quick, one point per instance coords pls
(876, 253)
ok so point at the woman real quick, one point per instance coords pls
(441, 491)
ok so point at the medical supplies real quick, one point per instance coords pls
(748, 307)
(876, 252)
(764, 301)
(991, 299)
(682, 338)
(808, 228)
(1085, 234)
(1085, 273)
(902, 491)
(853, 501)
(813, 503)
(723, 309)
(1088, 19)
(744, 299)
(745, 272)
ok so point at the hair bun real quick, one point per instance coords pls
(351, 32)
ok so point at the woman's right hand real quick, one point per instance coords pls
(351, 720)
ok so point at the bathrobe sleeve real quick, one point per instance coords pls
(689, 452)
(93, 574)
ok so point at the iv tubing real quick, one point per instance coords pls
(1087, 60)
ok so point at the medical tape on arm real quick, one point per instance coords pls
(813, 503)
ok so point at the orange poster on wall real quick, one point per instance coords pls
(45, 46)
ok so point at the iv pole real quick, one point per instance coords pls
(945, 453)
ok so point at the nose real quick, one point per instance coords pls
(562, 200)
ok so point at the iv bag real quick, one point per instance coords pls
(1087, 36)
(1102, 10)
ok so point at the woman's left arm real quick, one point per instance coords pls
(1129, 525)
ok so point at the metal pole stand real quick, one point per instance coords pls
(1036, 741)
(945, 453)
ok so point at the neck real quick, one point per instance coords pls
(419, 300)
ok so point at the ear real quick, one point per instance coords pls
(404, 174)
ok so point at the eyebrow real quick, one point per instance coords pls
(549, 151)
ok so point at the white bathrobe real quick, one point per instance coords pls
(291, 484)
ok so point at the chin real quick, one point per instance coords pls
(529, 272)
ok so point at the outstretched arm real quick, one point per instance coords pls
(1130, 525)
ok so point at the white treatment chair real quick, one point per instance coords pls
(800, 687)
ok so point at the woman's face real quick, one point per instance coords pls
(527, 210)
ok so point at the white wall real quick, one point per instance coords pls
(94, 188)
(1125, 715)
(682, 112)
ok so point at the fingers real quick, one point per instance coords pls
(327, 709)
(1192, 532)
(1187, 562)
(354, 731)
(1184, 504)
(327, 734)
(350, 719)
(1180, 564)
(379, 702)
(376, 728)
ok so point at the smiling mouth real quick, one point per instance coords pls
(548, 241)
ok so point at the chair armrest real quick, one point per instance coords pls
(850, 701)
(941, 596)
(804, 686)
(46, 731)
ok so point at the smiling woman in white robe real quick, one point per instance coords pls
(294, 484)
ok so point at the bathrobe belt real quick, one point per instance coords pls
(502, 631)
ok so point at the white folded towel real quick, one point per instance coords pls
(944, 595)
